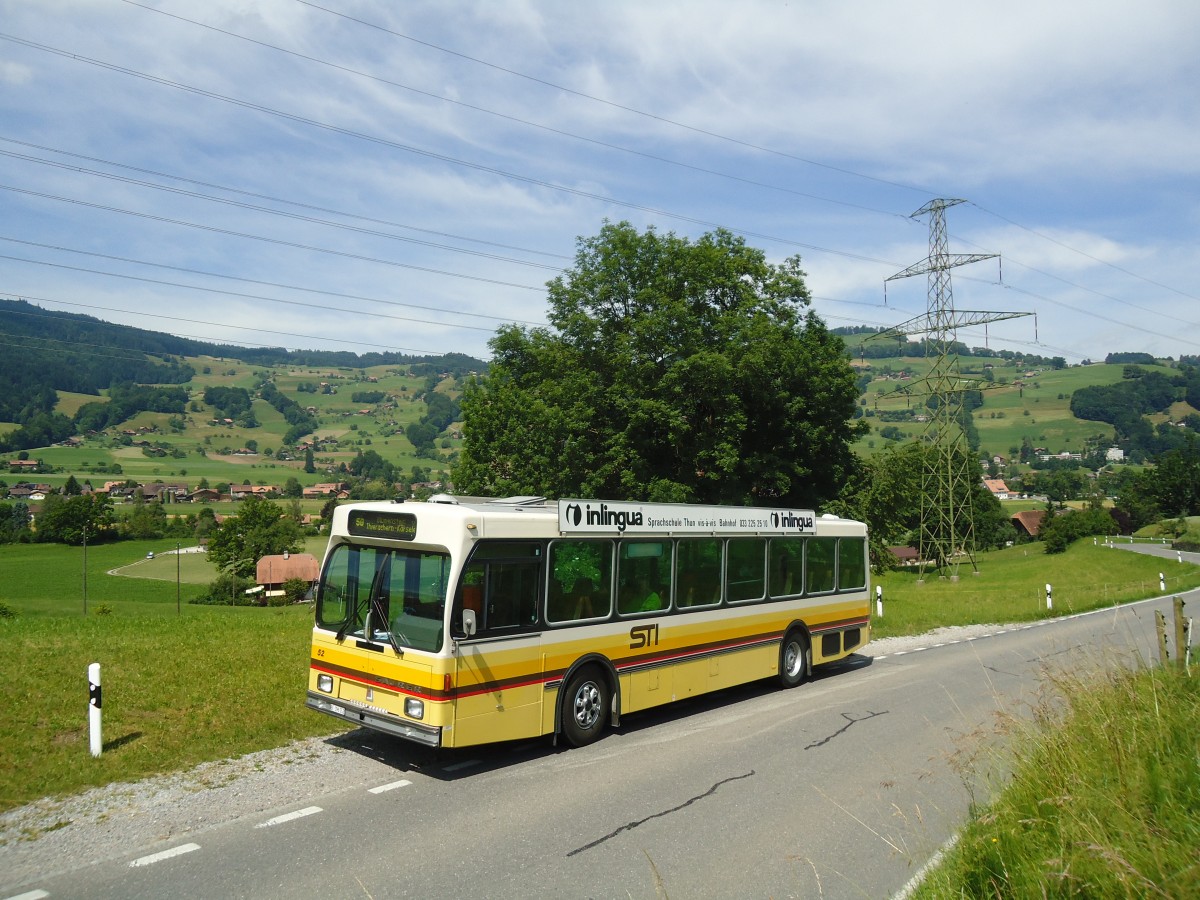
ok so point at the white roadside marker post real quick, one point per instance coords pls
(94, 707)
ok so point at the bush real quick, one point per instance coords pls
(7, 612)
(294, 591)
(1059, 532)
(227, 590)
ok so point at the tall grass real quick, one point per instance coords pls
(1104, 800)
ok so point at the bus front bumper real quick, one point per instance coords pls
(428, 735)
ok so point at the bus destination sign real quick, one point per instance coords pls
(613, 517)
(391, 526)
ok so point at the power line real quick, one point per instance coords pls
(499, 172)
(429, 154)
(240, 295)
(1089, 290)
(207, 339)
(611, 103)
(1086, 255)
(256, 237)
(266, 209)
(290, 287)
(517, 120)
(697, 130)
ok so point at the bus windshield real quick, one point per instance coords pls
(380, 594)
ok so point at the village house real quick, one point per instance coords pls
(997, 488)
(907, 556)
(338, 489)
(30, 492)
(165, 493)
(1029, 521)
(242, 491)
(273, 571)
(1064, 455)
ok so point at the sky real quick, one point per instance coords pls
(368, 175)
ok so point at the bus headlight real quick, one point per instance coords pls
(414, 708)
(325, 683)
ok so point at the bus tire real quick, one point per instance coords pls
(585, 707)
(793, 658)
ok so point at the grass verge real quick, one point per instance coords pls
(1104, 800)
(1011, 587)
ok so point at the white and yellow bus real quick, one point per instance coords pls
(464, 621)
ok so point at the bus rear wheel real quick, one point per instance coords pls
(585, 707)
(793, 659)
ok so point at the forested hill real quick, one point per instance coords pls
(45, 351)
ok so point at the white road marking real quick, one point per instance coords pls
(384, 788)
(290, 817)
(30, 895)
(165, 854)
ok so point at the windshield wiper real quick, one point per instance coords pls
(396, 646)
(377, 611)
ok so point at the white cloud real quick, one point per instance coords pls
(1077, 124)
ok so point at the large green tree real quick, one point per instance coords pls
(259, 529)
(74, 520)
(674, 370)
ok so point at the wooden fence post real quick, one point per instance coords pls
(1160, 624)
(1181, 638)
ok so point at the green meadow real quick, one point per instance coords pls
(187, 684)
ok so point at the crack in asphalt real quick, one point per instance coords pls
(658, 815)
(850, 720)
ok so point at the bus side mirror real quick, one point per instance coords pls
(468, 622)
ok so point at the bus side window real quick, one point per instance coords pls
(512, 595)
(745, 568)
(787, 566)
(698, 571)
(852, 565)
(580, 580)
(819, 564)
(643, 576)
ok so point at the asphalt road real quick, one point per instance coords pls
(843, 787)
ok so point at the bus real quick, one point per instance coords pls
(463, 621)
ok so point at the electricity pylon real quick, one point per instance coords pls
(950, 470)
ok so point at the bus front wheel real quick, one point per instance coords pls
(793, 659)
(585, 707)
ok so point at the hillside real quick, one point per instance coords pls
(1028, 401)
(402, 409)
(217, 413)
